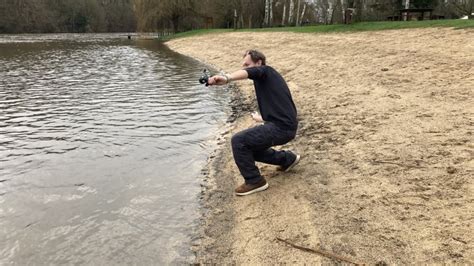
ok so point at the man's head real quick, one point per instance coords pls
(253, 58)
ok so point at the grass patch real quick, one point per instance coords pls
(356, 27)
(373, 26)
(193, 33)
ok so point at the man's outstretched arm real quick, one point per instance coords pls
(224, 79)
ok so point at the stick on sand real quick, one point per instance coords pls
(320, 252)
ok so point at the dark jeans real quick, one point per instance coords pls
(254, 144)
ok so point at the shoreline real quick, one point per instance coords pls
(214, 192)
(384, 133)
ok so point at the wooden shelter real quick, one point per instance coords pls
(408, 14)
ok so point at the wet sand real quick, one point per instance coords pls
(386, 138)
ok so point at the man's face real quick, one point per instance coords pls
(249, 63)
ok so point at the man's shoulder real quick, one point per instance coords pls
(261, 72)
(267, 67)
(271, 71)
(263, 67)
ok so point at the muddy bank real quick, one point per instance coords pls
(386, 121)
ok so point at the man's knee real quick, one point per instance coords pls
(237, 140)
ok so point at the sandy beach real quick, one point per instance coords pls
(386, 138)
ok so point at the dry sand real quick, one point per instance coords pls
(386, 138)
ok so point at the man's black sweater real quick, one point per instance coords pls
(273, 97)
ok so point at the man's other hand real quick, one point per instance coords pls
(257, 117)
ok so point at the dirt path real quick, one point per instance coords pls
(386, 135)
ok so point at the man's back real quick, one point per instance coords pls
(273, 96)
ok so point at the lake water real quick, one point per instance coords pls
(102, 140)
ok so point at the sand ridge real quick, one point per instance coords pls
(386, 124)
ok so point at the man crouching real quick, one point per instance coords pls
(278, 112)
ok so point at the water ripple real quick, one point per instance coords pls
(101, 140)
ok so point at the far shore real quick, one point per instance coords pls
(385, 134)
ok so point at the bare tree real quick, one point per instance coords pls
(146, 12)
(462, 7)
(266, 21)
(336, 12)
(298, 13)
(18, 16)
(302, 13)
(292, 10)
(270, 19)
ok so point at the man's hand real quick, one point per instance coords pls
(224, 79)
(257, 117)
(217, 80)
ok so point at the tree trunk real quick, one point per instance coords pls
(298, 13)
(284, 14)
(265, 19)
(175, 23)
(292, 10)
(270, 17)
(241, 20)
(343, 11)
(471, 11)
(359, 11)
(333, 11)
(302, 13)
(235, 19)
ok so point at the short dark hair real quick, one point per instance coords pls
(255, 56)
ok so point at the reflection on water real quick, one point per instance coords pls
(101, 144)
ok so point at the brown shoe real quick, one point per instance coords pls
(247, 189)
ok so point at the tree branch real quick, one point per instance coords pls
(320, 252)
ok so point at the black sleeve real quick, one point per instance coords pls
(256, 72)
